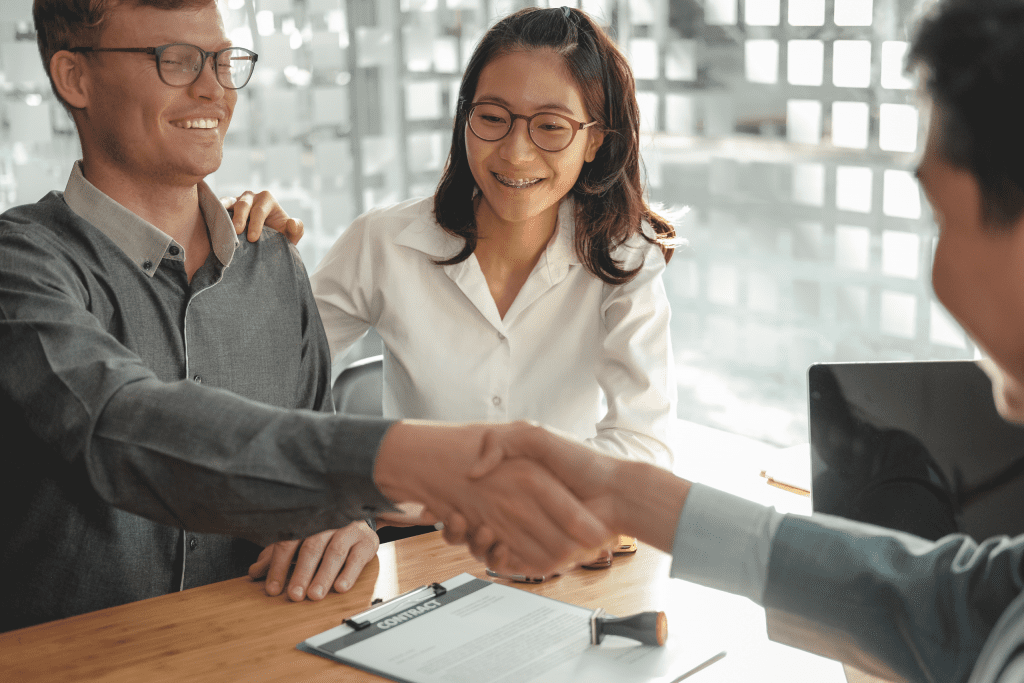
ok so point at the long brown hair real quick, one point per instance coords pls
(608, 194)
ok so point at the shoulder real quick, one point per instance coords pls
(640, 252)
(48, 225)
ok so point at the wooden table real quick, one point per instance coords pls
(232, 631)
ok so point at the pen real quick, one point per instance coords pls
(772, 481)
(700, 667)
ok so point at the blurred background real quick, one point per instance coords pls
(788, 127)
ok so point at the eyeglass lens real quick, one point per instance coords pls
(550, 132)
(180, 65)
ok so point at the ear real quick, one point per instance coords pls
(593, 144)
(70, 79)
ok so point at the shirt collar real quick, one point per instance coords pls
(424, 234)
(144, 243)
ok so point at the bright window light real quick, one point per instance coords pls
(265, 23)
(643, 56)
(853, 188)
(850, 124)
(761, 59)
(898, 315)
(944, 329)
(648, 102)
(897, 128)
(723, 284)
(853, 247)
(901, 196)
(681, 60)
(803, 121)
(853, 13)
(809, 184)
(851, 63)
(805, 64)
(894, 55)
(900, 254)
(806, 12)
(720, 12)
(762, 13)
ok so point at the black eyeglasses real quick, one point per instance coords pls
(551, 132)
(180, 64)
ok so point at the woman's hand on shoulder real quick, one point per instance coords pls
(251, 211)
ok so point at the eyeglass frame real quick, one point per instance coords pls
(159, 50)
(576, 127)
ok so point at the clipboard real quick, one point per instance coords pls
(470, 630)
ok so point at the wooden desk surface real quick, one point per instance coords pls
(232, 631)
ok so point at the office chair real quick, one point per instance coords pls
(358, 390)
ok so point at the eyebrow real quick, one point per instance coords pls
(544, 107)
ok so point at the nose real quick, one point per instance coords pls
(517, 145)
(207, 86)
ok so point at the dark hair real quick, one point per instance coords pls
(608, 193)
(973, 54)
(62, 24)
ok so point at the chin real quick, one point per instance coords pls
(1007, 391)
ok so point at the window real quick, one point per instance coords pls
(789, 129)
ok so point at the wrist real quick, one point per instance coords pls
(648, 502)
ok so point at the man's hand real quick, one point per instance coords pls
(529, 512)
(635, 498)
(350, 547)
(253, 211)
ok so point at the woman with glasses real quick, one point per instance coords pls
(530, 285)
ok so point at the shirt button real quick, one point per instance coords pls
(496, 400)
(198, 379)
(501, 337)
(192, 544)
(174, 251)
(147, 265)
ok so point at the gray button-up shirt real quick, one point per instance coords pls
(134, 404)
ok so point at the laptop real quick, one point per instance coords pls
(916, 446)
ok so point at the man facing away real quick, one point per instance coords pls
(148, 398)
(889, 603)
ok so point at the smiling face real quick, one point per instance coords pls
(519, 182)
(978, 271)
(136, 128)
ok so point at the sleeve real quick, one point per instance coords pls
(722, 541)
(637, 368)
(315, 374)
(891, 604)
(178, 453)
(343, 285)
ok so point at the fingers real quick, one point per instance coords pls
(323, 557)
(358, 557)
(279, 563)
(240, 207)
(293, 230)
(258, 569)
(260, 207)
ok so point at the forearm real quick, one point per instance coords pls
(208, 460)
(648, 502)
(889, 603)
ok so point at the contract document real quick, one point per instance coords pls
(467, 630)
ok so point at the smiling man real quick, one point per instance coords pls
(150, 404)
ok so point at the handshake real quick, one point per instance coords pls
(524, 499)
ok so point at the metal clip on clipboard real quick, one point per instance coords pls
(360, 621)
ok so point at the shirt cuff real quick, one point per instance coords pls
(722, 541)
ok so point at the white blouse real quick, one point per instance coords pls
(572, 352)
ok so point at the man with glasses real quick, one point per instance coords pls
(150, 363)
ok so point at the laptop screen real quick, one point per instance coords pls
(916, 446)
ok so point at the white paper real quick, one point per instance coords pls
(500, 634)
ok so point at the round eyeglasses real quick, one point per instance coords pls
(551, 132)
(180, 64)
